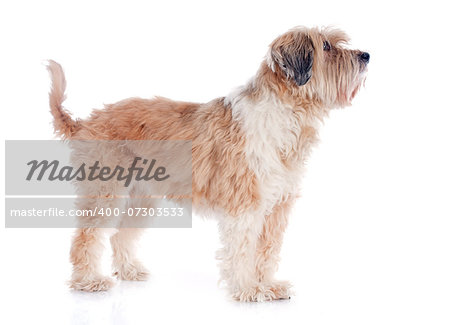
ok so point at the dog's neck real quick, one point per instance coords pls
(268, 96)
(279, 130)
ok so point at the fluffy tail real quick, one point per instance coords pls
(63, 123)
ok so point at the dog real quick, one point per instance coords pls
(248, 154)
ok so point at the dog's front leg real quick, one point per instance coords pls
(240, 237)
(269, 247)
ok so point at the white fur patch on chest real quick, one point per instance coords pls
(272, 131)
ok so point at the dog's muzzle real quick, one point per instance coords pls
(364, 57)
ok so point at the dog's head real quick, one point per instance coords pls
(316, 64)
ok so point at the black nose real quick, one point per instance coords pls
(365, 57)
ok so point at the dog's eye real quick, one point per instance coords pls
(326, 46)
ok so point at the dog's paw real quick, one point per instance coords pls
(94, 284)
(132, 272)
(265, 292)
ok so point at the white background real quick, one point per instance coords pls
(368, 242)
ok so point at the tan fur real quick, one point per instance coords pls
(217, 143)
(62, 123)
(126, 266)
(231, 173)
(270, 240)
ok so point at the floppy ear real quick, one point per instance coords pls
(295, 59)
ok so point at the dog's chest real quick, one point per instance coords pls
(276, 147)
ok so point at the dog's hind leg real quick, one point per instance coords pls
(85, 256)
(126, 266)
(137, 217)
(99, 206)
